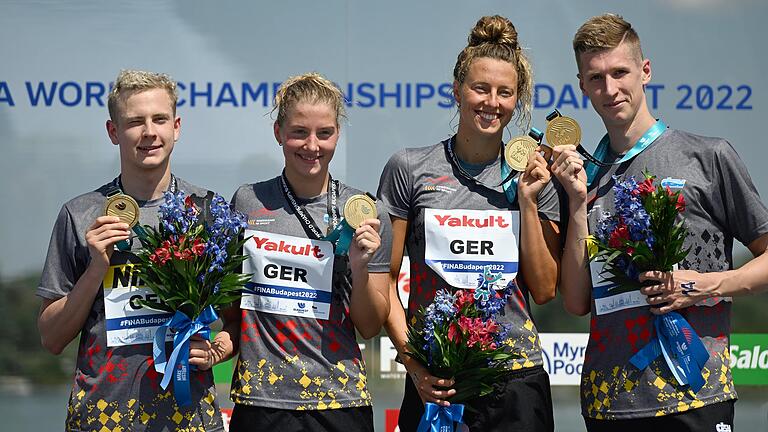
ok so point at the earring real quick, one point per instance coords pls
(280, 144)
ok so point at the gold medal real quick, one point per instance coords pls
(518, 150)
(124, 207)
(563, 130)
(359, 208)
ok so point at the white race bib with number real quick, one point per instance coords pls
(291, 275)
(127, 322)
(461, 243)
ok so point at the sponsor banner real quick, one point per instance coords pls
(127, 321)
(563, 356)
(749, 358)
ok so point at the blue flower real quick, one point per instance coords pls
(437, 313)
(444, 303)
(630, 210)
(175, 217)
(226, 226)
(605, 226)
(503, 333)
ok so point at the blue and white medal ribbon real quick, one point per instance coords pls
(681, 347)
(438, 418)
(647, 139)
(177, 365)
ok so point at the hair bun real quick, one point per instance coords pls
(494, 29)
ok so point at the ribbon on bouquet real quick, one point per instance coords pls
(681, 347)
(341, 236)
(438, 418)
(177, 365)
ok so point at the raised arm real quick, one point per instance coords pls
(369, 305)
(539, 239)
(575, 281)
(60, 320)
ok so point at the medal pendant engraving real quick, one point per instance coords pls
(124, 207)
(359, 208)
(563, 130)
(518, 150)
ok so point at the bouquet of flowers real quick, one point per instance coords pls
(192, 263)
(642, 235)
(459, 336)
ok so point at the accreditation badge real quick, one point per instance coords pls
(460, 244)
(291, 275)
(608, 296)
(127, 321)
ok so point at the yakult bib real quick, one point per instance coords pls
(291, 275)
(461, 243)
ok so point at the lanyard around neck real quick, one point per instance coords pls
(646, 140)
(117, 185)
(309, 224)
(508, 175)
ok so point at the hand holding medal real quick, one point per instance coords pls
(126, 209)
(365, 242)
(123, 207)
(523, 154)
(564, 135)
(357, 210)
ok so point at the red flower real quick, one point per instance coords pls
(680, 203)
(480, 333)
(160, 256)
(619, 233)
(188, 203)
(454, 333)
(644, 188)
(463, 297)
(198, 247)
(187, 255)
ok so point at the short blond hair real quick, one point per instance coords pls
(311, 88)
(604, 32)
(129, 81)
